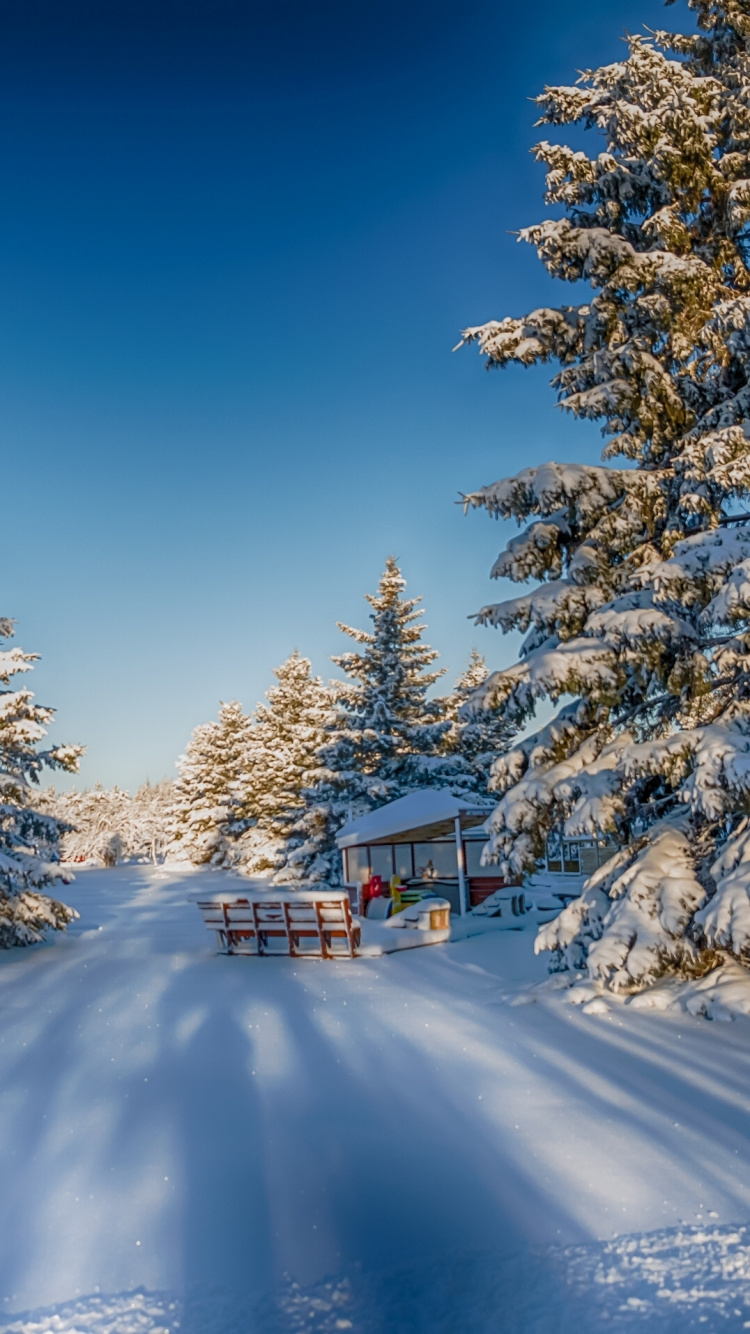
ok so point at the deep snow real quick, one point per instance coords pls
(376, 1145)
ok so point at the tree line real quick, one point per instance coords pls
(266, 793)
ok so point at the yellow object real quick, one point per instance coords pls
(395, 888)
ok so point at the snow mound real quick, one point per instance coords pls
(675, 1280)
(394, 933)
(679, 1279)
(722, 994)
(137, 1312)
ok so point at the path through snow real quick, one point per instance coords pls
(388, 1135)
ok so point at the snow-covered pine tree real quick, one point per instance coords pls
(383, 735)
(29, 861)
(477, 734)
(394, 726)
(212, 809)
(643, 610)
(337, 793)
(286, 736)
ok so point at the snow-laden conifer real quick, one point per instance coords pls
(282, 759)
(477, 734)
(393, 725)
(641, 611)
(212, 807)
(383, 735)
(337, 793)
(29, 859)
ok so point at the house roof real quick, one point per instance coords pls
(424, 814)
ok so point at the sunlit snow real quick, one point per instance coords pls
(381, 1144)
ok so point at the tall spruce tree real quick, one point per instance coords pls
(212, 807)
(642, 614)
(477, 734)
(29, 837)
(394, 727)
(310, 856)
(383, 736)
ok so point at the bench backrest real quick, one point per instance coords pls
(243, 916)
(261, 919)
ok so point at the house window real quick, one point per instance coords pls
(381, 861)
(589, 858)
(554, 852)
(441, 855)
(571, 858)
(404, 860)
(473, 850)
(357, 865)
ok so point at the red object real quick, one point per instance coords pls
(372, 889)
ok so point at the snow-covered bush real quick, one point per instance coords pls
(29, 859)
(641, 616)
(152, 812)
(107, 825)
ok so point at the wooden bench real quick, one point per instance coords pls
(307, 923)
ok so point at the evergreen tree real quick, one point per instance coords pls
(29, 859)
(283, 759)
(383, 736)
(393, 726)
(643, 610)
(476, 735)
(212, 806)
(337, 794)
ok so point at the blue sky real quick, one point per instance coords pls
(237, 244)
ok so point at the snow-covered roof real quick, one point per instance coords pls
(427, 812)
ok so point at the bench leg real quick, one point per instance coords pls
(258, 933)
(321, 932)
(227, 933)
(349, 927)
(289, 930)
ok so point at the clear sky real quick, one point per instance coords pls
(237, 244)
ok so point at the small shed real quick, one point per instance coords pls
(429, 836)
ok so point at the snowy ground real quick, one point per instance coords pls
(244, 1146)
